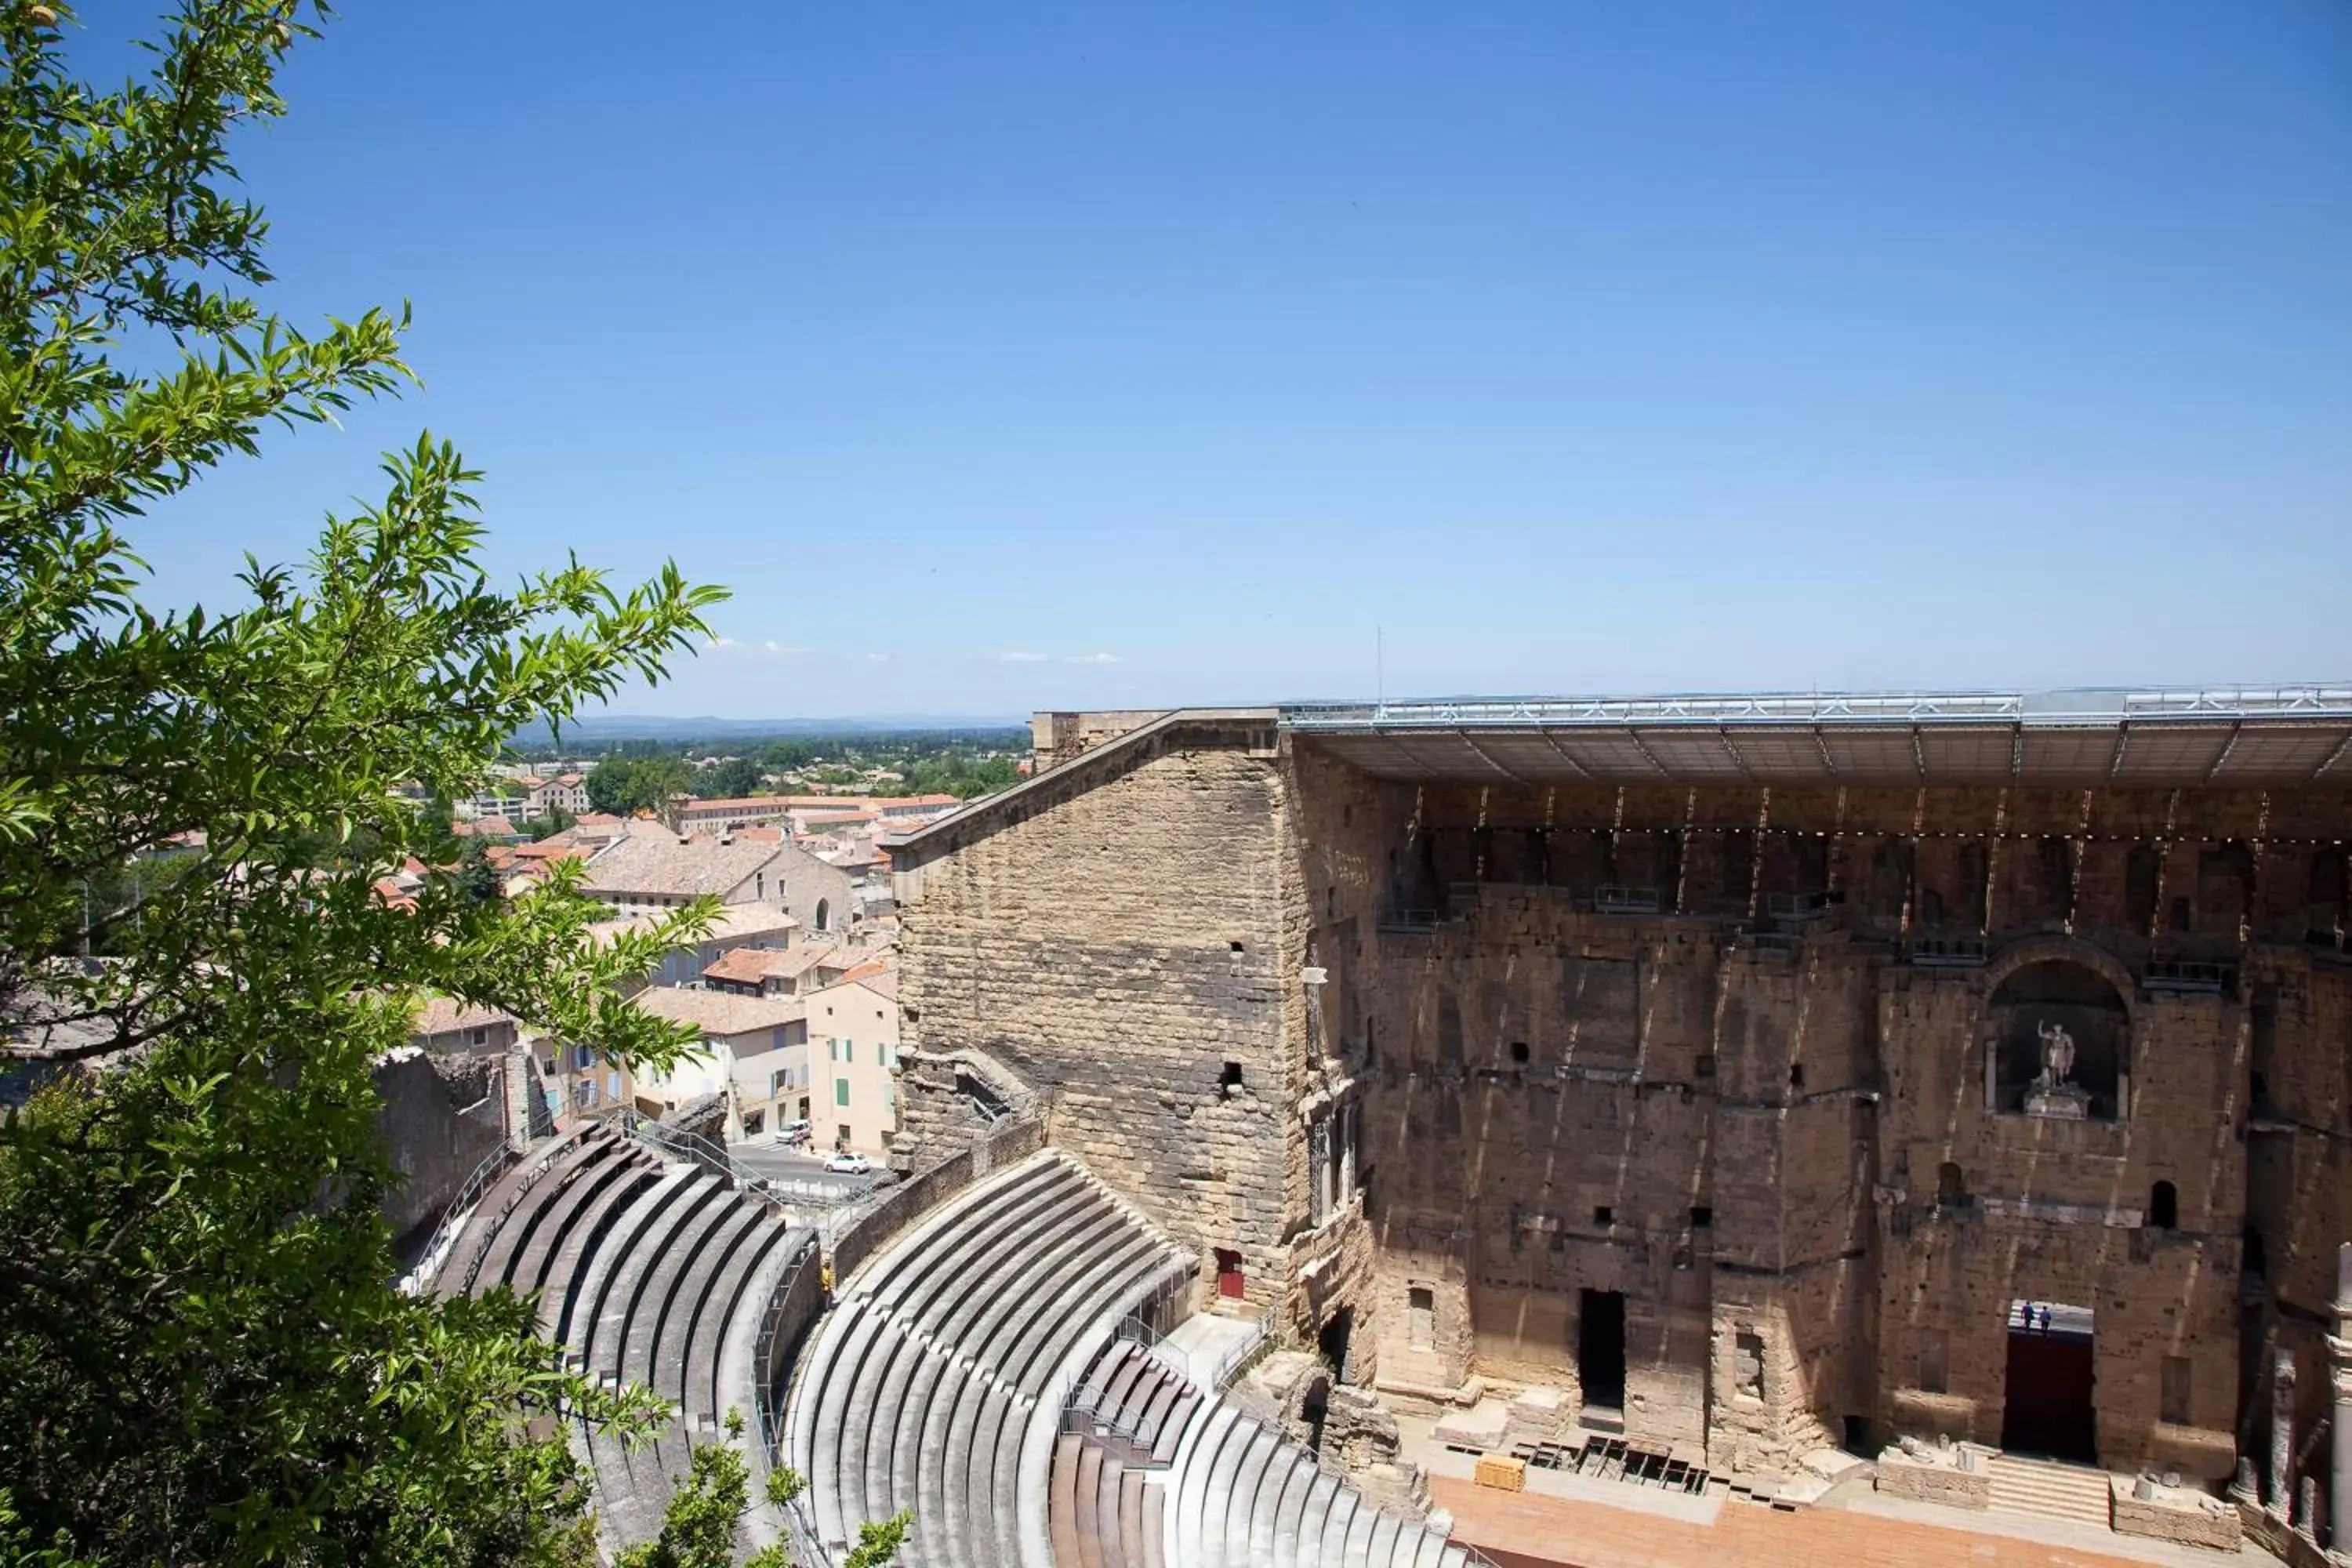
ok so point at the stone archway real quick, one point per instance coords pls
(2057, 1028)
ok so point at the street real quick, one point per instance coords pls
(770, 1158)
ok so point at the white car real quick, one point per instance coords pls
(848, 1163)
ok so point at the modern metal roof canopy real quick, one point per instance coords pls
(2255, 737)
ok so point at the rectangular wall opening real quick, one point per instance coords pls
(1601, 1348)
(2050, 1403)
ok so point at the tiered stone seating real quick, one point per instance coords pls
(937, 1382)
(1159, 1476)
(651, 1273)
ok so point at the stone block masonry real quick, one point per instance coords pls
(1123, 949)
(1707, 1109)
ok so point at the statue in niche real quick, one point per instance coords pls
(2057, 1056)
(2051, 1094)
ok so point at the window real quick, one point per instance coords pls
(1229, 1080)
(1421, 1317)
(890, 1094)
(2164, 1210)
(778, 1081)
(823, 909)
(583, 1057)
(613, 1087)
(1796, 1074)
(889, 1053)
(1702, 1217)
(754, 1123)
(849, 1052)
(843, 1139)
(1604, 1216)
(841, 1092)
(1518, 1050)
(481, 1037)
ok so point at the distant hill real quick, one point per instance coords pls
(608, 727)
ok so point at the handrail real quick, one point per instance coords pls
(695, 1147)
(541, 1162)
(784, 1192)
(455, 1215)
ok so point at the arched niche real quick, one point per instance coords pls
(2038, 998)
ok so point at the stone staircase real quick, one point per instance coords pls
(2045, 1489)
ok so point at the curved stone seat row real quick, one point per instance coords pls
(650, 1273)
(937, 1384)
(1158, 1475)
(1128, 1415)
(1239, 1492)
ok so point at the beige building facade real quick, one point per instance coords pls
(853, 1029)
(754, 1051)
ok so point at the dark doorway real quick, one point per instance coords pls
(1332, 1341)
(1601, 1348)
(1230, 1283)
(2050, 1383)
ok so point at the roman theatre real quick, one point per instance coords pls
(1726, 1079)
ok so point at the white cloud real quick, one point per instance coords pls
(877, 659)
(1095, 658)
(1020, 657)
(722, 642)
(774, 646)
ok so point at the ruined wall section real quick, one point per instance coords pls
(1985, 1205)
(1123, 942)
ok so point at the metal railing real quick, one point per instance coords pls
(782, 1191)
(540, 1163)
(2187, 976)
(454, 1216)
(1624, 900)
(1949, 951)
(1806, 709)
(1806, 906)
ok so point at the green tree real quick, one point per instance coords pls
(477, 881)
(702, 1525)
(201, 1358)
(626, 786)
(729, 780)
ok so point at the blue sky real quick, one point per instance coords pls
(1015, 356)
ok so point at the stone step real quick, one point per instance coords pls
(2047, 1489)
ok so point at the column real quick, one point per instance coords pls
(2281, 1502)
(2340, 1440)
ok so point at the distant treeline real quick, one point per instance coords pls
(791, 751)
(641, 773)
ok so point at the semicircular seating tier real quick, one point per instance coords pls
(936, 1384)
(650, 1272)
(1158, 1475)
(941, 1382)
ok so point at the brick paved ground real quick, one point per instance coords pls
(1525, 1531)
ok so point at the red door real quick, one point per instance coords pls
(1229, 1274)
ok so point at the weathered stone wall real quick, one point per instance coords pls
(1755, 1059)
(1805, 1084)
(1126, 945)
(442, 1116)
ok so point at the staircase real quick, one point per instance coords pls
(2076, 1494)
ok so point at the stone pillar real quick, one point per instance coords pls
(2281, 1503)
(1347, 1150)
(2339, 1437)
